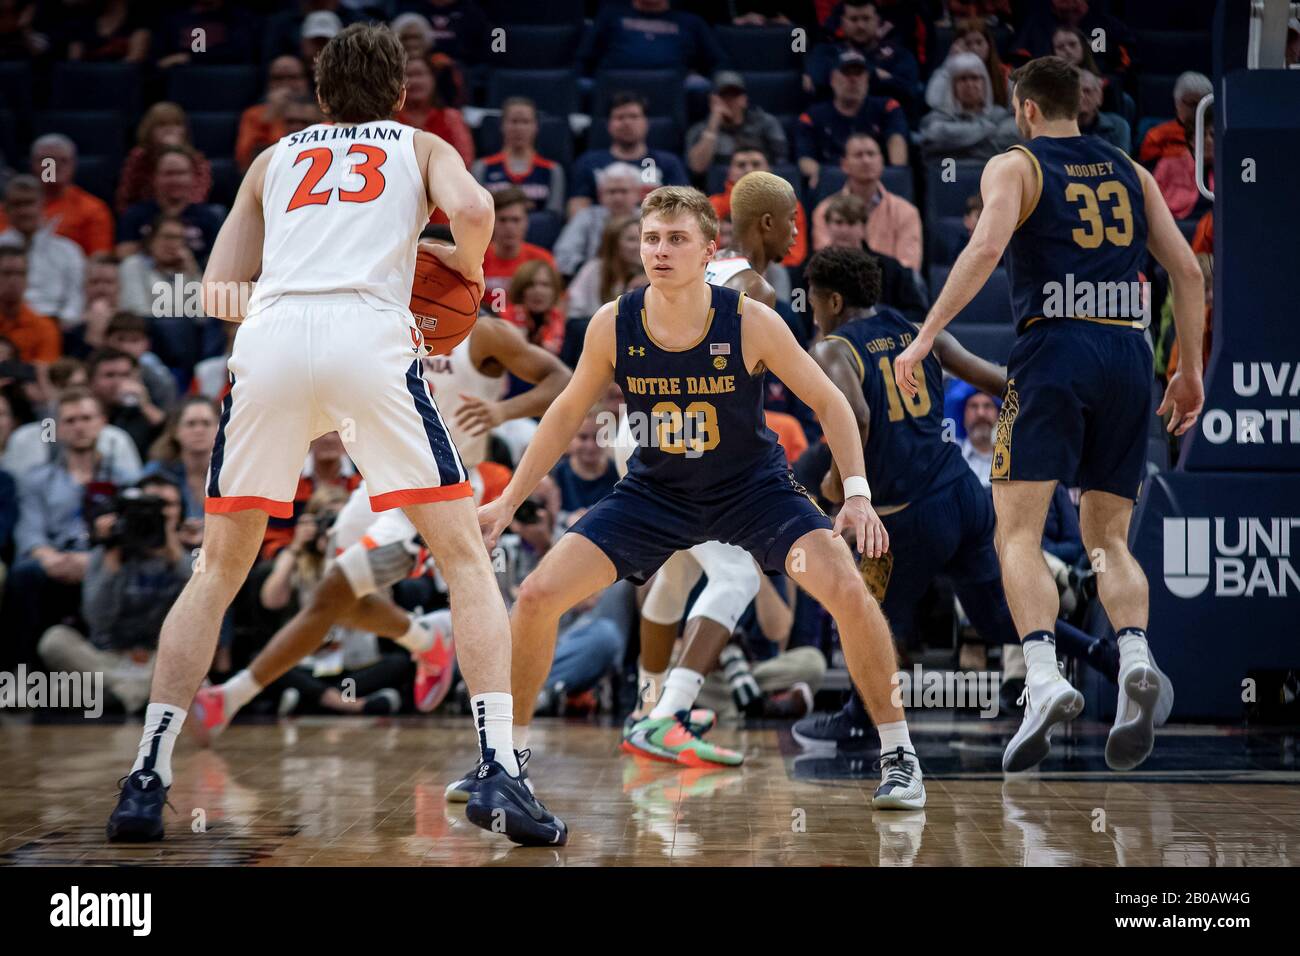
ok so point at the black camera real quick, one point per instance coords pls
(141, 525)
(527, 512)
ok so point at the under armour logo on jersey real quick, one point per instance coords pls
(637, 350)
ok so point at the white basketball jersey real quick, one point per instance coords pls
(450, 377)
(719, 271)
(343, 206)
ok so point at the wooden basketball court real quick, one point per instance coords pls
(360, 791)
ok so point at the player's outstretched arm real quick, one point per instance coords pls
(833, 358)
(767, 339)
(467, 204)
(560, 423)
(497, 340)
(1002, 188)
(1186, 392)
(237, 254)
(969, 367)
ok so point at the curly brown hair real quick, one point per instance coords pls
(360, 74)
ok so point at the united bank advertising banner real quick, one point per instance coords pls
(1222, 557)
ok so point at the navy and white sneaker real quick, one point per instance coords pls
(138, 815)
(501, 803)
(900, 787)
(459, 791)
(839, 730)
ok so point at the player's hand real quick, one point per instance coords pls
(476, 416)
(451, 257)
(493, 518)
(907, 363)
(869, 532)
(1183, 400)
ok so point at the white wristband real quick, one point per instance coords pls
(856, 485)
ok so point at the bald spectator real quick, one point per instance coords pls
(56, 266)
(733, 120)
(173, 189)
(72, 212)
(519, 163)
(1092, 121)
(262, 124)
(36, 336)
(970, 125)
(619, 188)
(746, 159)
(1170, 138)
(824, 128)
(893, 223)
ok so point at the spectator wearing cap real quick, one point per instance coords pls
(36, 336)
(733, 120)
(173, 191)
(164, 126)
(1170, 137)
(628, 126)
(746, 159)
(893, 223)
(1092, 121)
(508, 250)
(619, 185)
(894, 70)
(56, 267)
(970, 125)
(226, 29)
(824, 128)
(649, 35)
(262, 124)
(424, 109)
(52, 539)
(318, 28)
(978, 413)
(72, 212)
(1042, 22)
(518, 163)
(285, 30)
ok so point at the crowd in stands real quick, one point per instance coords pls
(126, 126)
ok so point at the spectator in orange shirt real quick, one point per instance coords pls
(747, 158)
(789, 433)
(535, 294)
(263, 123)
(508, 250)
(1169, 139)
(1176, 174)
(36, 336)
(164, 125)
(74, 213)
(893, 223)
(424, 109)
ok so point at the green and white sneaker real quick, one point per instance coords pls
(673, 740)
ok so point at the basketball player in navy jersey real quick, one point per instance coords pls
(1072, 212)
(690, 358)
(939, 517)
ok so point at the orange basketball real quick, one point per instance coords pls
(444, 303)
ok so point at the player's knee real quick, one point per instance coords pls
(539, 595)
(334, 594)
(726, 596)
(845, 593)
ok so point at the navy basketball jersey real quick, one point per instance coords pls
(1079, 251)
(907, 453)
(696, 414)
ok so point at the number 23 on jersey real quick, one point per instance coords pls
(368, 166)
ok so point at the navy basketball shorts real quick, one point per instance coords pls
(639, 525)
(949, 531)
(1077, 407)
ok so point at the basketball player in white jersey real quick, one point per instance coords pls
(330, 217)
(762, 233)
(375, 551)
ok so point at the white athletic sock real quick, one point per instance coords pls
(162, 725)
(649, 685)
(893, 736)
(1040, 660)
(521, 737)
(239, 690)
(417, 638)
(1133, 648)
(494, 716)
(679, 693)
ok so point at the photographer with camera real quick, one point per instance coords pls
(136, 571)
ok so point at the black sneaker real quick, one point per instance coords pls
(839, 730)
(138, 815)
(501, 803)
(459, 791)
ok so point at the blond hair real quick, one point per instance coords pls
(757, 193)
(673, 201)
